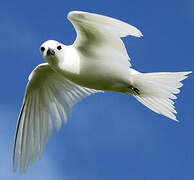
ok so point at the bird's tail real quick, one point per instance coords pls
(157, 90)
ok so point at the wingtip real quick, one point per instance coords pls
(137, 33)
(189, 72)
(175, 119)
(73, 14)
(140, 34)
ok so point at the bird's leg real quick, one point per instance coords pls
(134, 89)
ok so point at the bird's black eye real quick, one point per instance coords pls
(59, 47)
(42, 49)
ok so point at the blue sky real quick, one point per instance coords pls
(108, 136)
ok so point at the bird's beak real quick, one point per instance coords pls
(50, 52)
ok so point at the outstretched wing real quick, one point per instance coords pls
(48, 100)
(100, 36)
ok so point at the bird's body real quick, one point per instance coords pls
(93, 73)
(96, 62)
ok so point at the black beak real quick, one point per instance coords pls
(50, 52)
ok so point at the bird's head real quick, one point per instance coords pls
(52, 51)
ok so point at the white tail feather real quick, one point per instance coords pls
(157, 89)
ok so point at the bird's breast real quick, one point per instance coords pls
(100, 76)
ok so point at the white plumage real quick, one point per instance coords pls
(96, 62)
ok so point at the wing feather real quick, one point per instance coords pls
(99, 36)
(48, 100)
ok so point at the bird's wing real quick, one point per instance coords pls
(100, 36)
(48, 100)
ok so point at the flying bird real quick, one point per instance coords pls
(96, 62)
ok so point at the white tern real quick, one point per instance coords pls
(97, 61)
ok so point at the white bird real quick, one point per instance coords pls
(96, 62)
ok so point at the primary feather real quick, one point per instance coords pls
(48, 100)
